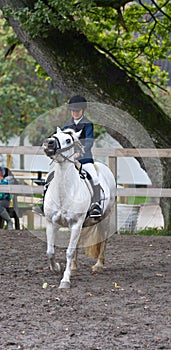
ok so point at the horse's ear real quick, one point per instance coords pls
(78, 133)
(73, 133)
(58, 129)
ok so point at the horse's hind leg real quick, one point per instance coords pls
(55, 267)
(101, 257)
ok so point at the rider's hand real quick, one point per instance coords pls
(76, 155)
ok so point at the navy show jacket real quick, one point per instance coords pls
(86, 137)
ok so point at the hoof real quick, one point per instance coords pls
(64, 285)
(55, 267)
(96, 268)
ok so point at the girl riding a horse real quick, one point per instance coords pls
(79, 122)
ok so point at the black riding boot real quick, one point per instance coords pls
(96, 210)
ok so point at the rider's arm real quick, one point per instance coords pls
(89, 137)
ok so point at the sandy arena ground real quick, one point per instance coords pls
(125, 306)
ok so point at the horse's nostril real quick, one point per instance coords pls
(51, 142)
(45, 142)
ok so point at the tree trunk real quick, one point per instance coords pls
(166, 202)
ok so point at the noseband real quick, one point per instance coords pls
(59, 151)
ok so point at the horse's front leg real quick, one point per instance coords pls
(74, 263)
(54, 266)
(75, 234)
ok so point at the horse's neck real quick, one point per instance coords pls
(66, 175)
(70, 191)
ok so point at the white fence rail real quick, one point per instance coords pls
(30, 190)
(112, 153)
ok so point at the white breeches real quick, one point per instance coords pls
(90, 168)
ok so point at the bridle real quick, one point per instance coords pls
(59, 151)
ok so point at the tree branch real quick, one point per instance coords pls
(112, 3)
(160, 8)
(121, 19)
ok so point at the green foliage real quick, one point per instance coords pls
(27, 95)
(45, 125)
(135, 43)
(98, 130)
(64, 15)
(133, 38)
(163, 98)
(23, 95)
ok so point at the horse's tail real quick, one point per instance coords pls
(93, 251)
(92, 240)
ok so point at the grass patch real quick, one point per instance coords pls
(37, 195)
(138, 200)
(153, 231)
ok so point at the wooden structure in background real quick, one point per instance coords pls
(113, 154)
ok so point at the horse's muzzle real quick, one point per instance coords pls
(50, 146)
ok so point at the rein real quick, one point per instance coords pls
(66, 158)
(60, 150)
(75, 162)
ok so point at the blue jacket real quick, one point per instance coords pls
(8, 178)
(86, 137)
(5, 195)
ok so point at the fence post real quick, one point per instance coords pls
(113, 168)
(9, 161)
(30, 220)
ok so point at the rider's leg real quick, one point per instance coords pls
(95, 210)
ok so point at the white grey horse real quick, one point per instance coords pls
(68, 199)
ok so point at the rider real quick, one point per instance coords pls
(79, 122)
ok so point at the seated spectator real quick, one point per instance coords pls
(6, 177)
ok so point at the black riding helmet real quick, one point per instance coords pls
(77, 102)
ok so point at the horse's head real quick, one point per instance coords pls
(61, 142)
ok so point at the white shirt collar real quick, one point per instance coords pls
(76, 121)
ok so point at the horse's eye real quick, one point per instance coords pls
(68, 141)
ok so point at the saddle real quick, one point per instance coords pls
(83, 175)
(95, 194)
